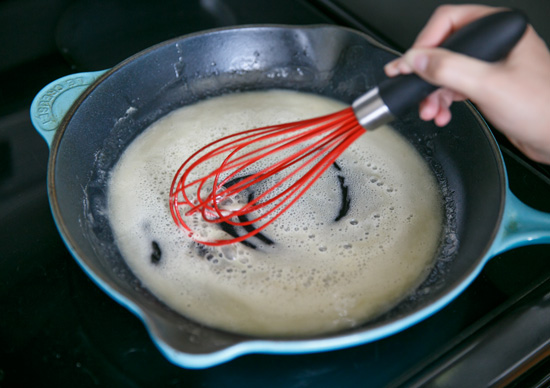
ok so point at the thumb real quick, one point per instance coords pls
(448, 69)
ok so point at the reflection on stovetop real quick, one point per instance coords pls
(58, 329)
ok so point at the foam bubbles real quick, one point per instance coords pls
(320, 275)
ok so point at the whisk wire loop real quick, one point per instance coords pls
(302, 152)
(275, 168)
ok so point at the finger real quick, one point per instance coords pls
(444, 21)
(396, 67)
(443, 117)
(437, 105)
(460, 73)
(391, 69)
(429, 107)
(447, 19)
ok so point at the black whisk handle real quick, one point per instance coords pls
(490, 39)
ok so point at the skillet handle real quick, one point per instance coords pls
(521, 225)
(52, 103)
(489, 39)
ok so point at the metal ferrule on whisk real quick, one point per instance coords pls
(371, 111)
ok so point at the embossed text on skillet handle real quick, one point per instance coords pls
(52, 103)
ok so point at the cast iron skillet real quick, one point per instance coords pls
(89, 118)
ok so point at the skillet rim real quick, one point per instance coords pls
(103, 282)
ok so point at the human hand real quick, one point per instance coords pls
(512, 94)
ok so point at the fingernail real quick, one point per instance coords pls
(391, 69)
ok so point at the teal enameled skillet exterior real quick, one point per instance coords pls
(88, 119)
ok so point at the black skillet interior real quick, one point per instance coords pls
(327, 60)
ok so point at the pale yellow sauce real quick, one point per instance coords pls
(320, 275)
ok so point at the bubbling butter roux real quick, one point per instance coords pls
(319, 275)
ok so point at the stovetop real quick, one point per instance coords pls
(58, 329)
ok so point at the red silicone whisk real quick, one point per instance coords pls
(252, 177)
